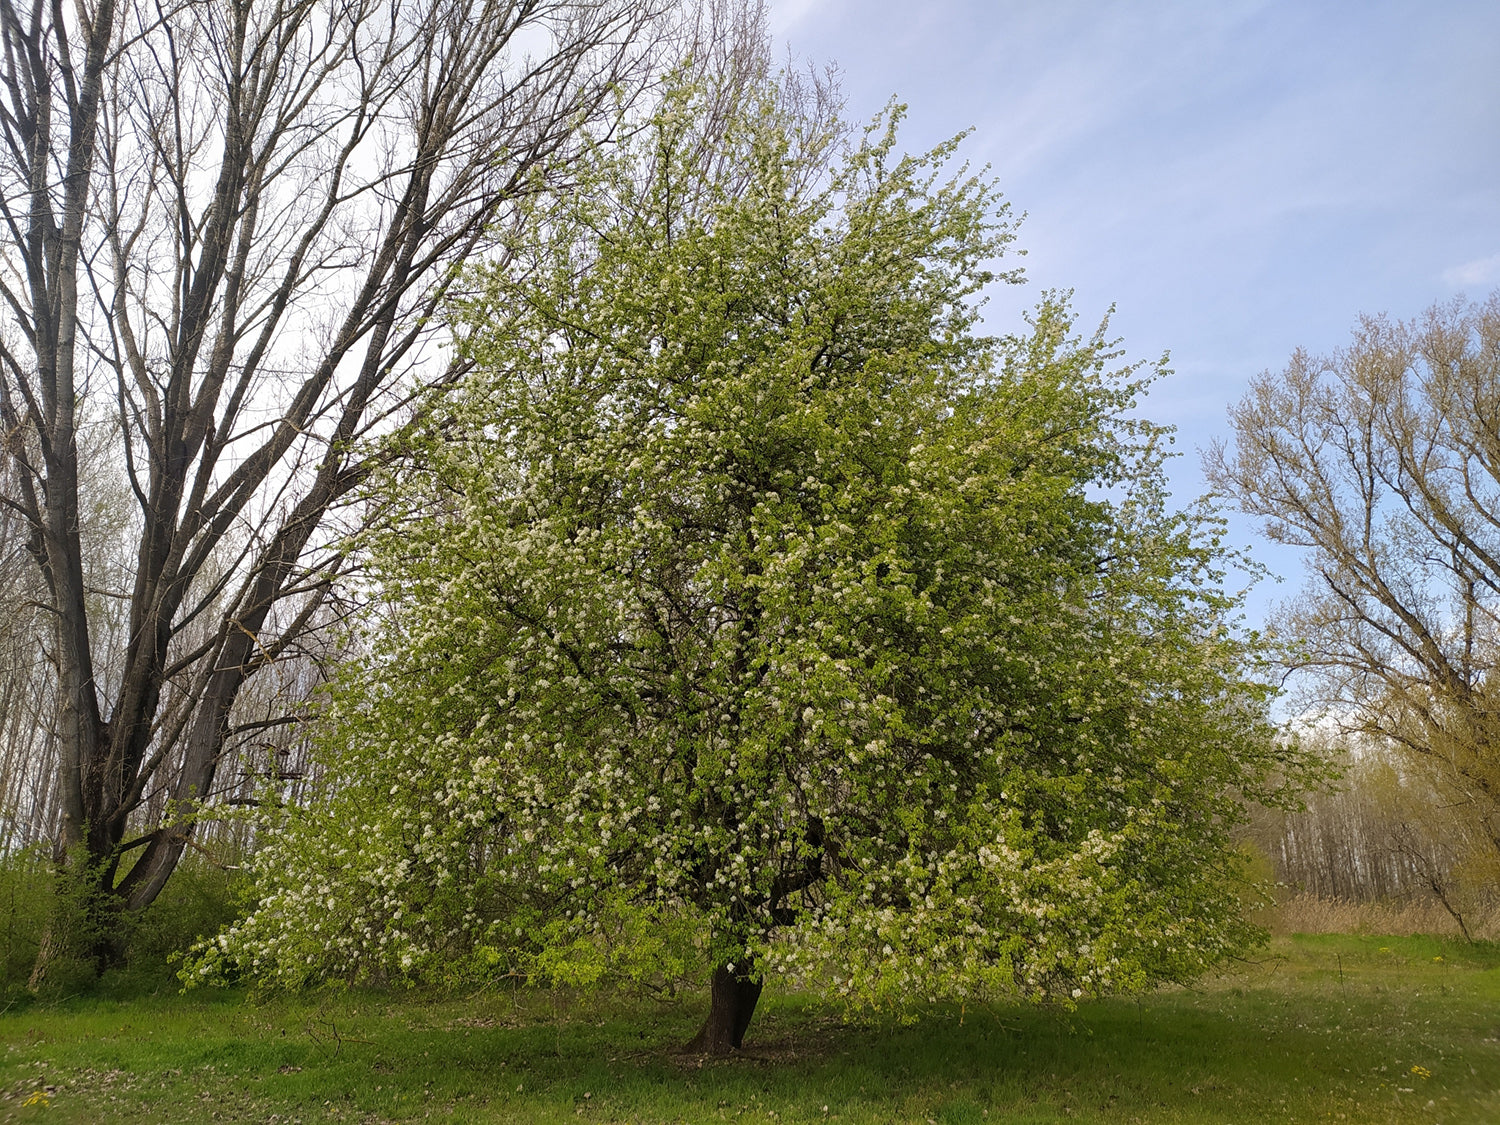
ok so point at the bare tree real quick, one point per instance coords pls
(232, 221)
(1383, 463)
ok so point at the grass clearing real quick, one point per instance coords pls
(1325, 1028)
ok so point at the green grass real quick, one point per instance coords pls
(1317, 1029)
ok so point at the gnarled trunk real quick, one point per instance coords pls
(732, 999)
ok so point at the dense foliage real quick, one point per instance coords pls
(748, 609)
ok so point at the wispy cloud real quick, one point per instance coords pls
(1481, 271)
(787, 14)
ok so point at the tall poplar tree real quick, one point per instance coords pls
(227, 224)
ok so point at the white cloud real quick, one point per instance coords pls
(1481, 271)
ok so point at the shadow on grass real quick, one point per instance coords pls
(1379, 1030)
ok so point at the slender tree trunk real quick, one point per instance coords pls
(48, 951)
(1441, 891)
(732, 1000)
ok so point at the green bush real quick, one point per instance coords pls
(200, 899)
(25, 898)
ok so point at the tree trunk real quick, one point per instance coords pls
(87, 924)
(732, 1000)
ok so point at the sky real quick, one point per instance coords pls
(1238, 178)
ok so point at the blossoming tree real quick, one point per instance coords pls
(749, 610)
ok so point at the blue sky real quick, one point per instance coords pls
(1238, 177)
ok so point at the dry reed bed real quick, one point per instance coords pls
(1311, 914)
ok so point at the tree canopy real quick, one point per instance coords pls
(749, 610)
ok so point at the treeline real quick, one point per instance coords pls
(1383, 834)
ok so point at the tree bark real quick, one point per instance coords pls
(733, 995)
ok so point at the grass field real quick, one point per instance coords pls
(1333, 1028)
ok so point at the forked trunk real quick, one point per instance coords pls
(732, 1000)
